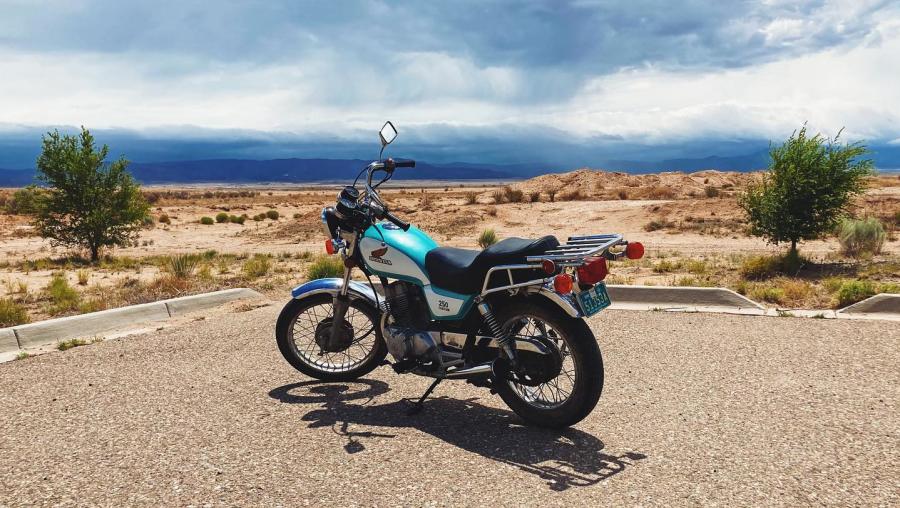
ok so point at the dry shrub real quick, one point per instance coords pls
(498, 196)
(711, 192)
(573, 195)
(622, 194)
(513, 195)
(534, 197)
(861, 238)
(491, 210)
(487, 238)
(660, 192)
(471, 198)
(551, 193)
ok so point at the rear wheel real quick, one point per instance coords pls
(304, 338)
(573, 393)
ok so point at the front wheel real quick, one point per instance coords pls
(570, 396)
(304, 338)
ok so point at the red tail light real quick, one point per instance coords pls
(634, 250)
(548, 266)
(593, 272)
(562, 283)
(329, 246)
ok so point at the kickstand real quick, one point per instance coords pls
(417, 406)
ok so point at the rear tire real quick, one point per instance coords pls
(583, 358)
(295, 335)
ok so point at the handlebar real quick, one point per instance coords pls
(396, 220)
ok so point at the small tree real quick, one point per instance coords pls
(807, 189)
(90, 203)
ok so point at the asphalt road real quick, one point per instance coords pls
(697, 409)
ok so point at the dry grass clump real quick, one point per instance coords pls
(206, 221)
(63, 297)
(83, 277)
(471, 197)
(498, 196)
(534, 197)
(325, 267)
(491, 210)
(181, 266)
(487, 238)
(766, 267)
(660, 192)
(572, 195)
(657, 224)
(513, 195)
(164, 219)
(12, 313)
(257, 266)
(551, 193)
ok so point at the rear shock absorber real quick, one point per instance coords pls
(504, 341)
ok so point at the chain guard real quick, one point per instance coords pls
(533, 368)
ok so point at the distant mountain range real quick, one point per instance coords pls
(243, 171)
(341, 170)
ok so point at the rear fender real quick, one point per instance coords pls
(332, 286)
(566, 303)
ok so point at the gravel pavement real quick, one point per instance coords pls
(697, 409)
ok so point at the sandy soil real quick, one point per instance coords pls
(696, 226)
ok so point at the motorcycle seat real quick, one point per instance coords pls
(463, 270)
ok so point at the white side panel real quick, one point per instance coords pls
(391, 261)
(440, 305)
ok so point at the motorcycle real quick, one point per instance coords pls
(510, 318)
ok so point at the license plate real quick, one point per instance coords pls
(593, 300)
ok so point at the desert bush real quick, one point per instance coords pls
(71, 343)
(807, 189)
(272, 214)
(181, 266)
(534, 197)
(572, 195)
(207, 221)
(666, 266)
(257, 266)
(766, 267)
(12, 313)
(657, 224)
(471, 198)
(298, 215)
(259, 217)
(425, 201)
(487, 238)
(766, 293)
(324, 267)
(498, 196)
(83, 277)
(164, 219)
(551, 194)
(796, 290)
(852, 291)
(513, 195)
(26, 201)
(221, 217)
(62, 296)
(491, 210)
(696, 266)
(623, 194)
(861, 237)
(237, 219)
(711, 192)
(660, 192)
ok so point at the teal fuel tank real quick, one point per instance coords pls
(391, 252)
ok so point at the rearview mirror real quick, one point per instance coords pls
(387, 134)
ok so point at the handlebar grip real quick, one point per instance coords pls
(404, 163)
(396, 220)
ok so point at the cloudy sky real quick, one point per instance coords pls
(641, 72)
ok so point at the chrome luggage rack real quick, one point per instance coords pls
(572, 253)
(577, 248)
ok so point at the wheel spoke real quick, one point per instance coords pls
(553, 392)
(360, 348)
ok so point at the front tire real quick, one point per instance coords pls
(569, 397)
(299, 336)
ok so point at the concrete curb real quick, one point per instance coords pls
(85, 325)
(885, 304)
(666, 296)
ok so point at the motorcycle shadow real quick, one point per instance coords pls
(564, 459)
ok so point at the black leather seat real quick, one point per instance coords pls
(463, 270)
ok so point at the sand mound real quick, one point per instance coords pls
(599, 184)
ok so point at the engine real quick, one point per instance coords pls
(405, 332)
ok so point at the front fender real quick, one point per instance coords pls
(332, 286)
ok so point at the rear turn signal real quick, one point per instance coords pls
(593, 272)
(562, 283)
(329, 246)
(548, 266)
(634, 250)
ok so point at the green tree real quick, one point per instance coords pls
(90, 203)
(806, 190)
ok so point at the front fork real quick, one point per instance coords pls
(341, 300)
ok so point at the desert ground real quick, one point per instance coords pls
(697, 409)
(691, 225)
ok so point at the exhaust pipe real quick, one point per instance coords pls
(484, 368)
